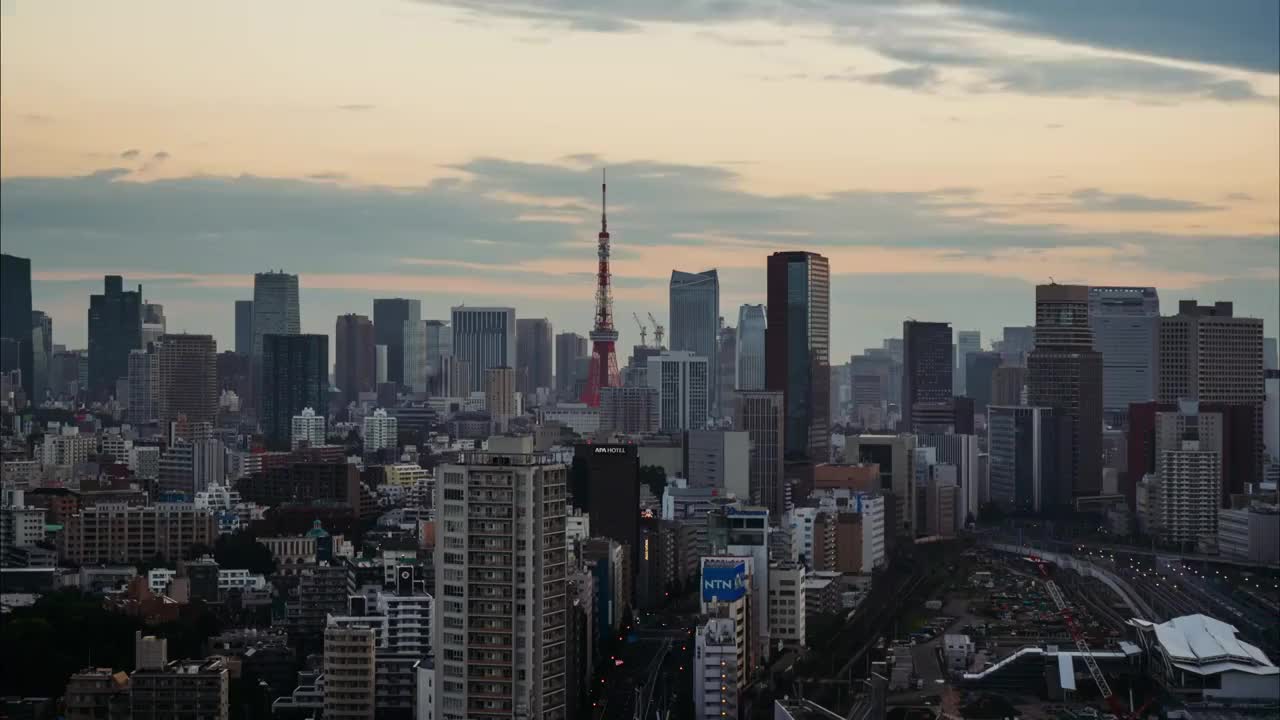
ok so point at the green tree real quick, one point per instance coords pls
(655, 477)
(242, 550)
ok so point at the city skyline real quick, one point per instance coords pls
(948, 183)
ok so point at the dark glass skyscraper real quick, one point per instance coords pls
(570, 347)
(533, 354)
(295, 372)
(694, 304)
(244, 327)
(15, 313)
(927, 365)
(354, 370)
(797, 350)
(389, 317)
(115, 329)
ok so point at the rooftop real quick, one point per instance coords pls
(1203, 645)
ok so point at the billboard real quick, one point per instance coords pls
(724, 582)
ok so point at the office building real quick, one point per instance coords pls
(1022, 446)
(694, 325)
(186, 378)
(275, 312)
(761, 415)
(750, 361)
(500, 636)
(1008, 385)
(115, 328)
(682, 381)
(895, 456)
(15, 315)
(296, 372)
(413, 360)
(111, 533)
(500, 396)
(153, 323)
(41, 354)
(354, 365)
(959, 450)
(980, 372)
(484, 337)
(719, 459)
(927, 366)
(380, 431)
(570, 348)
(787, 610)
(729, 592)
(743, 531)
(849, 538)
(718, 670)
(143, 384)
(629, 410)
(307, 429)
(967, 343)
(1209, 354)
(244, 327)
(1126, 330)
(533, 355)
(390, 317)
(797, 350)
(610, 494)
(187, 468)
(1250, 534)
(188, 689)
(1064, 372)
(1017, 343)
(728, 372)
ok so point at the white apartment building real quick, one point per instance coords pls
(68, 448)
(786, 604)
(380, 431)
(1180, 502)
(19, 473)
(307, 428)
(718, 673)
(350, 682)
(681, 379)
(801, 520)
(500, 560)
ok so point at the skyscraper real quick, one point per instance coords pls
(186, 378)
(926, 368)
(389, 318)
(1126, 330)
(275, 312)
(797, 350)
(728, 373)
(142, 386)
(244, 327)
(980, 368)
(750, 363)
(694, 324)
(15, 314)
(295, 370)
(354, 369)
(500, 396)
(967, 342)
(570, 347)
(1018, 342)
(533, 354)
(115, 328)
(1064, 372)
(762, 415)
(1022, 445)
(499, 638)
(41, 352)
(484, 337)
(681, 379)
(153, 322)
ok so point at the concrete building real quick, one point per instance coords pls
(719, 459)
(570, 348)
(1022, 446)
(97, 694)
(798, 350)
(355, 358)
(718, 673)
(308, 429)
(851, 539)
(1008, 385)
(787, 611)
(727, 592)
(533, 355)
(143, 384)
(1196, 658)
(198, 690)
(728, 372)
(960, 451)
(927, 367)
(484, 337)
(1126, 330)
(980, 373)
(111, 533)
(761, 415)
(1250, 534)
(694, 324)
(487, 662)
(15, 316)
(380, 431)
(682, 380)
(500, 396)
(191, 467)
(629, 410)
(744, 531)
(895, 455)
(349, 673)
(750, 348)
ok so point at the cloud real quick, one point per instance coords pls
(919, 77)
(1239, 196)
(1115, 77)
(130, 154)
(1054, 126)
(160, 156)
(355, 107)
(36, 118)
(1095, 200)
(740, 40)
(328, 176)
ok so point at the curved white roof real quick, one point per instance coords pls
(1199, 640)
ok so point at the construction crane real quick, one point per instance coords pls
(644, 331)
(658, 330)
(1104, 688)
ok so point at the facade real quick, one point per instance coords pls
(1126, 330)
(980, 371)
(1022, 465)
(192, 690)
(143, 369)
(349, 672)
(629, 410)
(15, 315)
(570, 347)
(275, 312)
(41, 354)
(797, 350)
(244, 327)
(533, 355)
(761, 415)
(191, 467)
(750, 361)
(484, 337)
(968, 342)
(694, 325)
(500, 396)
(493, 569)
(110, 533)
(728, 373)
(413, 359)
(115, 328)
(1007, 385)
(961, 451)
(719, 459)
(895, 456)
(380, 431)
(927, 366)
(354, 368)
(186, 378)
(307, 429)
(1064, 372)
(1250, 534)
(1199, 659)
(1182, 499)
(786, 604)
(390, 318)
(611, 497)
(682, 380)
(718, 674)
(295, 369)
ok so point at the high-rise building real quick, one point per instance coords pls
(797, 349)
(718, 669)
(926, 368)
(295, 369)
(15, 314)
(719, 459)
(427, 344)
(570, 347)
(349, 670)
(198, 690)
(500, 635)
(455, 377)
(186, 378)
(307, 429)
(115, 328)
(728, 372)
(960, 450)
(629, 410)
(610, 493)
(895, 456)
(762, 415)
(1007, 385)
(41, 353)
(1209, 354)
(380, 431)
(413, 360)
(1022, 461)
(1064, 372)
(1126, 330)
(275, 312)
(694, 324)
(1018, 342)
(533, 354)
(191, 467)
(389, 318)
(980, 368)
(682, 380)
(1179, 504)
(500, 396)
(143, 368)
(153, 322)
(967, 342)
(750, 361)
(484, 337)
(244, 327)
(353, 368)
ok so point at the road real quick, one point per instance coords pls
(645, 668)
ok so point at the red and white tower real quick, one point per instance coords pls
(604, 363)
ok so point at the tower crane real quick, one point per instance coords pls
(658, 330)
(1104, 688)
(644, 331)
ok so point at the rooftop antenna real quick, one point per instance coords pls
(604, 199)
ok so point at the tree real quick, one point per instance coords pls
(243, 551)
(654, 476)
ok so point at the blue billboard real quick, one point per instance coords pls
(724, 583)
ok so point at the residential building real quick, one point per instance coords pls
(718, 671)
(629, 410)
(97, 694)
(484, 337)
(115, 328)
(1126, 330)
(750, 360)
(391, 316)
(349, 672)
(533, 355)
(694, 325)
(114, 533)
(307, 429)
(761, 415)
(797, 350)
(500, 396)
(186, 378)
(927, 366)
(189, 689)
(295, 369)
(683, 383)
(786, 604)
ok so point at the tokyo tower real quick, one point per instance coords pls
(604, 363)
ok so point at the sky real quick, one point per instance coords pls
(946, 158)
